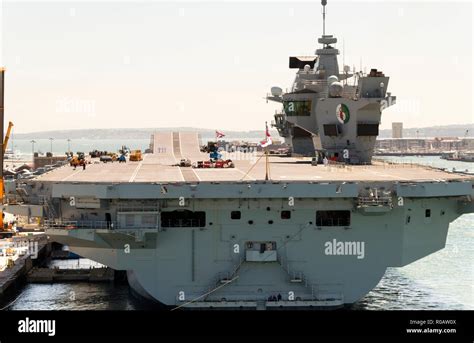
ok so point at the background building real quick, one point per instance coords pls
(397, 130)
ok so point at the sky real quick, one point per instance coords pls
(138, 64)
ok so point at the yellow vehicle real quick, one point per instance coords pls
(113, 155)
(77, 161)
(136, 155)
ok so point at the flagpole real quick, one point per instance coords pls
(267, 167)
(266, 164)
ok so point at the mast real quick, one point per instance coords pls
(324, 3)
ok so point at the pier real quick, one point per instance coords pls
(17, 268)
(50, 275)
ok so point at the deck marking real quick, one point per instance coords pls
(71, 175)
(196, 174)
(247, 175)
(174, 156)
(137, 169)
(393, 176)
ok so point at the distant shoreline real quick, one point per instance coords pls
(145, 133)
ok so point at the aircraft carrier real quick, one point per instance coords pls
(316, 232)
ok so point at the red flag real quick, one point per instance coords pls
(268, 138)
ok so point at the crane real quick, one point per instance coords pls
(2, 191)
(7, 137)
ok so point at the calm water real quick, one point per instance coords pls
(442, 281)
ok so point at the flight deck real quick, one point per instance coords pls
(170, 147)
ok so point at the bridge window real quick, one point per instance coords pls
(427, 213)
(285, 214)
(333, 218)
(235, 215)
(332, 130)
(183, 218)
(367, 129)
(297, 108)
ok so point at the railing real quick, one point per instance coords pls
(349, 92)
(44, 200)
(82, 224)
(327, 291)
(373, 201)
(223, 278)
(331, 291)
(183, 223)
(137, 208)
(320, 86)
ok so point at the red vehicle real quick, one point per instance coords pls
(215, 164)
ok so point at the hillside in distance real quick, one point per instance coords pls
(462, 130)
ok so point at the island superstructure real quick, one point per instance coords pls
(312, 236)
(331, 112)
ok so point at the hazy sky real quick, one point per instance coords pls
(76, 65)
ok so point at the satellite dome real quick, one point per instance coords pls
(335, 89)
(276, 91)
(332, 79)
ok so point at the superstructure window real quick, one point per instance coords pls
(183, 218)
(297, 108)
(333, 218)
(285, 214)
(331, 130)
(367, 129)
(427, 213)
(235, 215)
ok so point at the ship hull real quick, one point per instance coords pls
(207, 267)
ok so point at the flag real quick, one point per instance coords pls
(219, 134)
(268, 138)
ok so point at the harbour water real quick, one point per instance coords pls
(24, 147)
(441, 281)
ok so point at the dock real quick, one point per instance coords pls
(50, 275)
(22, 265)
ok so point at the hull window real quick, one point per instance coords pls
(333, 218)
(183, 218)
(235, 215)
(261, 252)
